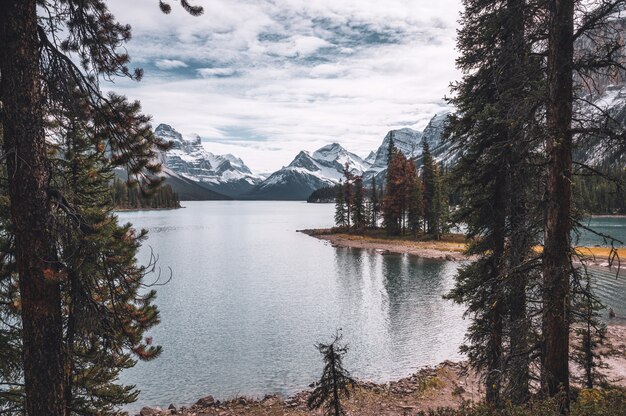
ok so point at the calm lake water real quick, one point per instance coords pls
(249, 297)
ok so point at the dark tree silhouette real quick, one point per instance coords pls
(333, 384)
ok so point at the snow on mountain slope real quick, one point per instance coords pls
(189, 159)
(593, 150)
(410, 143)
(309, 172)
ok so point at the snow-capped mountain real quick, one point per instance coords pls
(309, 172)
(225, 174)
(594, 151)
(410, 143)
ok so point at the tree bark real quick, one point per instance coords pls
(25, 148)
(556, 260)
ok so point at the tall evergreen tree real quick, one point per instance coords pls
(429, 183)
(359, 215)
(348, 192)
(341, 215)
(497, 105)
(416, 207)
(40, 40)
(375, 204)
(558, 225)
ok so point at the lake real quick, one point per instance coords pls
(249, 297)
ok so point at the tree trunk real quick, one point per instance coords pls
(556, 260)
(25, 148)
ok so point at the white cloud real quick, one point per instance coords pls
(271, 78)
(166, 64)
(216, 72)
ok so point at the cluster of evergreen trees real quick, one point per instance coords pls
(601, 194)
(74, 307)
(414, 202)
(409, 202)
(519, 115)
(131, 197)
(353, 206)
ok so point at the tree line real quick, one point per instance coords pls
(413, 201)
(131, 197)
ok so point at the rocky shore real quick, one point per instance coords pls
(448, 384)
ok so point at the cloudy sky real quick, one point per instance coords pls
(264, 79)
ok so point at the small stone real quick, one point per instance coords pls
(148, 411)
(207, 401)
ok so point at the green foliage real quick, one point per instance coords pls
(374, 204)
(106, 307)
(325, 194)
(588, 403)
(601, 193)
(133, 197)
(341, 212)
(360, 216)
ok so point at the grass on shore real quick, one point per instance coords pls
(447, 242)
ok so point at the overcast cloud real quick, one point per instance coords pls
(263, 79)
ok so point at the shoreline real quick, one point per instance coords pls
(447, 384)
(439, 250)
(145, 209)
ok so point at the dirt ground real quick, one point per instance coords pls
(444, 385)
(445, 250)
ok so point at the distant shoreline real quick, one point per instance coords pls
(447, 249)
(145, 209)
(608, 216)
(441, 250)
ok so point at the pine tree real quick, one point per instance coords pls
(393, 203)
(42, 41)
(497, 106)
(375, 204)
(359, 216)
(333, 384)
(348, 192)
(590, 333)
(416, 207)
(341, 215)
(98, 257)
(429, 182)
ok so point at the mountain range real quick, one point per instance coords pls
(197, 174)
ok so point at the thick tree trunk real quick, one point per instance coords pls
(556, 261)
(24, 144)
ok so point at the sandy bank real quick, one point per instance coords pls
(443, 250)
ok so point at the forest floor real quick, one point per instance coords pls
(447, 385)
